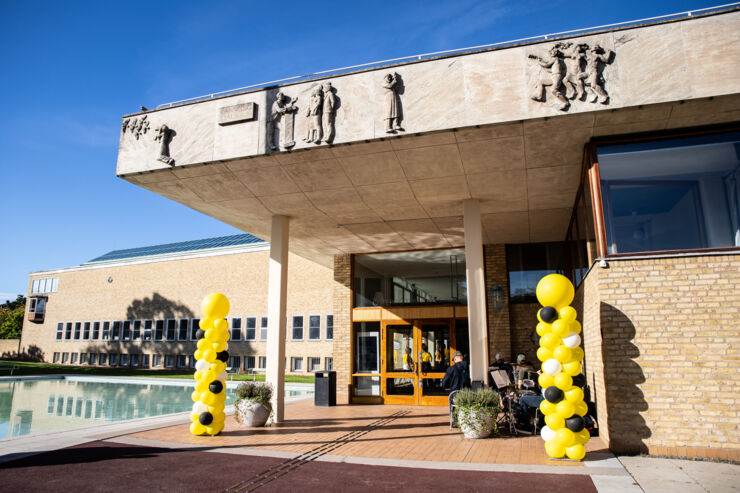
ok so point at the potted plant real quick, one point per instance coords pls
(252, 406)
(476, 412)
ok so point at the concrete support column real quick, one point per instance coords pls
(475, 273)
(277, 294)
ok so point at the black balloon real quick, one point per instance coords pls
(199, 334)
(548, 314)
(579, 380)
(554, 394)
(574, 423)
(216, 386)
(223, 356)
(205, 418)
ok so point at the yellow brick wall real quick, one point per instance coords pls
(9, 346)
(174, 289)
(342, 306)
(523, 330)
(667, 330)
(499, 325)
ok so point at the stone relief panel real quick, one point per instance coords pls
(135, 126)
(320, 113)
(281, 126)
(163, 134)
(393, 86)
(570, 71)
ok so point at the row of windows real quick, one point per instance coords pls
(185, 329)
(183, 361)
(47, 285)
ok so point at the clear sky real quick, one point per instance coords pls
(70, 70)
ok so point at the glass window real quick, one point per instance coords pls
(368, 386)
(410, 278)
(296, 364)
(126, 330)
(115, 331)
(314, 364)
(106, 331)
(263, 362)
(367, 347)
(528, 264)
(248, 362)
(124, 360)
(158, 330)
(182, 330)
(95, 331)
(251, 329)
(328, 364)
(194, 326)
(137, 330)
(314, 328)
(56, 358)
(236, 329)
(676, 194)
(68, 331)
(298, 328)
(35, 286)
(78, 330)
(181, 361)
(113, 359)
(168, 360)
(145, 360)
(73, 359)
(171, 326)
(83, 358)
(93, 358)
(86, 331)
(263, 328)
(147, 335)
(235, 362)
(103, 358)
(60, 331)
(134, 360)
(65, 358)
(156, 360)
(54, 284)
(329, 327)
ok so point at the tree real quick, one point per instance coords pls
(11, 318)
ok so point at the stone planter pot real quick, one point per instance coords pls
(250, 413)
(475, 423)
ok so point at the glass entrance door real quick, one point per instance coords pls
(416, 357)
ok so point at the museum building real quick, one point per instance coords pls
(435, 193)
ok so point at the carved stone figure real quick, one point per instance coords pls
(392, 104)
(314, 116)
(164, 134)
(136, 126)
(555, 66)
(124, 125)
(575, 62)
(328, 108)
(283, 111)
(598, 58)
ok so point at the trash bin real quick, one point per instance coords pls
(325, 388)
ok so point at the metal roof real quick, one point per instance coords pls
(180, 247)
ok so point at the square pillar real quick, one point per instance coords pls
(277, 294)
(475, 274)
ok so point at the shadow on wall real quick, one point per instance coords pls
(625, 400)
(156, 307)
(32, 354)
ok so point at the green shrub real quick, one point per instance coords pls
(483, 398)
(259, 392)
(473, 406)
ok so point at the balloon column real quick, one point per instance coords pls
(210, 368)
(561, 379)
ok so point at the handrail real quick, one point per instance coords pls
(422, 56)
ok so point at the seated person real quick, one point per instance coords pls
(500, 364)
(458, 375)
(521, 369)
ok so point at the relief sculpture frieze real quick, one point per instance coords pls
(280, 130)
(163, 134)
(135, 126)
(393, 114)
(322, 107)
(571, 72)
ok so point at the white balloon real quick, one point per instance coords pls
(547, 433)
(199, 407)
(572, 340)
(552, 367)
(222, 376)
(202, 365)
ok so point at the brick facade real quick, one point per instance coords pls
(499, 325)
(662, 352)
(342, 306)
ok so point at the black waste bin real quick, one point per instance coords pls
(325, 388)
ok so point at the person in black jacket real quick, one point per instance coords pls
(458, 375)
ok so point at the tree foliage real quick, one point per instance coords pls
(11, 318)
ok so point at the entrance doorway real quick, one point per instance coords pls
(414, 360)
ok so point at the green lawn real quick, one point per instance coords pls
(23, 368)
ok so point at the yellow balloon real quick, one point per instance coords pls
(565, 409)
(220, 346)
(203, 344)
(560, 328)
(198, 354)
(195, 396)
(578, 354)
(574, 326)
(583, 436)
(216, 305)
(567, 313)
(209, 398)
(555, 421)
(197, 375)
(544, 354)
(562, 353)
(565, 437)
(194, 416)
(563, 381)
(219, 416)
(218, 366)
(545, 380)
(547, 407)
(574, 395)
(201, 385)
(197, 429)
(550, 341)
(221, 325)
(581, 408)
(543, 328)
(554, 449)
(209, 355)
(576, 452)
(572, 368)
(214, 430)
(555, 290)
(205, 323)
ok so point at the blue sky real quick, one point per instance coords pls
(71, 69)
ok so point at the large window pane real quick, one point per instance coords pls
(367, 347)
(528, 264)
(675, 194)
